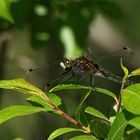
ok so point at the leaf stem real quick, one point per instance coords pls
(120, 97)
(63, 114)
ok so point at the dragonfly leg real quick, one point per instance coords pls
(58, 80)
(82, 78)
(91, 80)
(69, 78)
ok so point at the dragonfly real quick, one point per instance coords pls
(82, 66)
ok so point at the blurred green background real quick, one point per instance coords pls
(41, 32)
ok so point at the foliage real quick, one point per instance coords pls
(66, 23)
(91, 122)
(48, 19)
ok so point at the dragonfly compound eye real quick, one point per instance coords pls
(66, 64)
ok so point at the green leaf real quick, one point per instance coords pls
(54, 98)
(99, 128)
(5, 10)
(94, 112)
(133, 134)
(69, 86)
(62, 131)
(131, 98)
(68, 40)
(117, 130)
(16, 111)
(76, 86)
(21, 85)
(107, 92)
(135, 122)
(84, 137)
(125, 71)
(135, 72)
(80, 114)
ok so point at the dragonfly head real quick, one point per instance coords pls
(66, 64)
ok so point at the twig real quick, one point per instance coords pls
(63, 114)
(120, 97)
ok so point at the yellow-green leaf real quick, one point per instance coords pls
(62, 131)
(94, 112)
(18, 110)
(135, 122)
(135, 72)
(70, 86)
(126, 72)
(84, 137)
(21, 85)
(5, 10)
(131, 98)
(117, 130)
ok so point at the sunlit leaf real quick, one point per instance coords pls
(68, 39)
(135, 72)
(20, 85)
(84, 137)
(54, 98)
(18, 138)
(16, 111)
(107, 92)
(131, 98)
(40, 10)
(126, 72)
(76, 86)
(117, 130)
(94, 112)
(5, 10)
(69, 86)
(62, 131)
(135, 122)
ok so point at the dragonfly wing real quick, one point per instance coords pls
(89, 55)
(111, 61)
(41, 76)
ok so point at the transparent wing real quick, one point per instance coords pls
(46, 75)
(122, 52)
(89, 54)
(111, 61)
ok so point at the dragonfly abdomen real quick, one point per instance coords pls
(112, 77)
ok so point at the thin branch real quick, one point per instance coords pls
(120, 97)
(63, 114)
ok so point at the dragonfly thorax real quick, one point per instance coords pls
(83, 64)
(80, 65)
